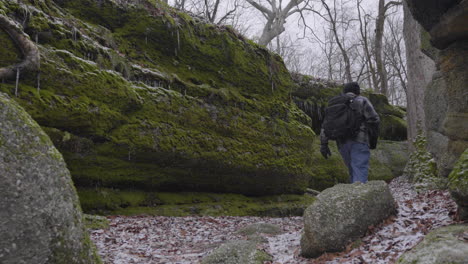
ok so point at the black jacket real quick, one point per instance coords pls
(369, 129)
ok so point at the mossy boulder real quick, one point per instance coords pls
(443, 245)
(41, 216)
(235, 252)
(342, 214)
(458, 185)
(140, 96)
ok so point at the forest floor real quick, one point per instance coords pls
(158, 239)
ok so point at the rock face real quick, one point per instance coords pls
(420, 68)
(445, 104)
(443, 245)
(39, 208)
(136, 95)
(458, 185)
(342, 214)
(140, 97)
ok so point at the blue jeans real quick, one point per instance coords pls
(356, 157)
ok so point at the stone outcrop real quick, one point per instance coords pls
(445, 104)
(342, 214)
(444, 245)
(420, 68)
(41, 220)
(139, 97)
(458, 185)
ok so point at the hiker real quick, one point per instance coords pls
(353, 141)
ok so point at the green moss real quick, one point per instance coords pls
(9, 53)
(112, 201)
(421, 167)
(458, 178)
(95, 222)
(392, 128)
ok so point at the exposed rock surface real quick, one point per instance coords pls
(41, 220)
(458, 185)
(444, 245)
(420, 68)
(445, 104)
(342, 214)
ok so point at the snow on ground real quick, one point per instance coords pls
(157, 239)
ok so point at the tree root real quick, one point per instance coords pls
(28, 48)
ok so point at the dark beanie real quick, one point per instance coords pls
(352, 87)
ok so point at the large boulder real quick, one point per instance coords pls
(444, 245)
(39, 209)
(458, 185)
(445, 20)
(342, 214)
(445, 104)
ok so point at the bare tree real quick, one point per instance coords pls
(363, 30)
(394, 50)
(379, 32)
(215, 11)
(276, 15)
(331, 17)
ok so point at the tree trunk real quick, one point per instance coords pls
(420, 69)
(379, 30)
(364, 36)
(343, 51)
(27, 47)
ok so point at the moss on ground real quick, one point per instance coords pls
(134, 202)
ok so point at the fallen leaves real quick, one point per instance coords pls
(157, 239)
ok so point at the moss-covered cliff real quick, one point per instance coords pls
(140, 96)
(137, 96)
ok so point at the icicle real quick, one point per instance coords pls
(17, 81)
(39, 74)
(74, 33)
(38, 82)
(178, 40)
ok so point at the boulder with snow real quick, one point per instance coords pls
(342, 214)
(41, 220)
(444, 245)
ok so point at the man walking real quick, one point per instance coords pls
(354, 147)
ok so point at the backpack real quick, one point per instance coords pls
(341, 120)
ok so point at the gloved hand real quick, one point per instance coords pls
(325, 150)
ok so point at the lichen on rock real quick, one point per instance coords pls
(342, 214)
(458, 185)
(443, 245)
(41, 215)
